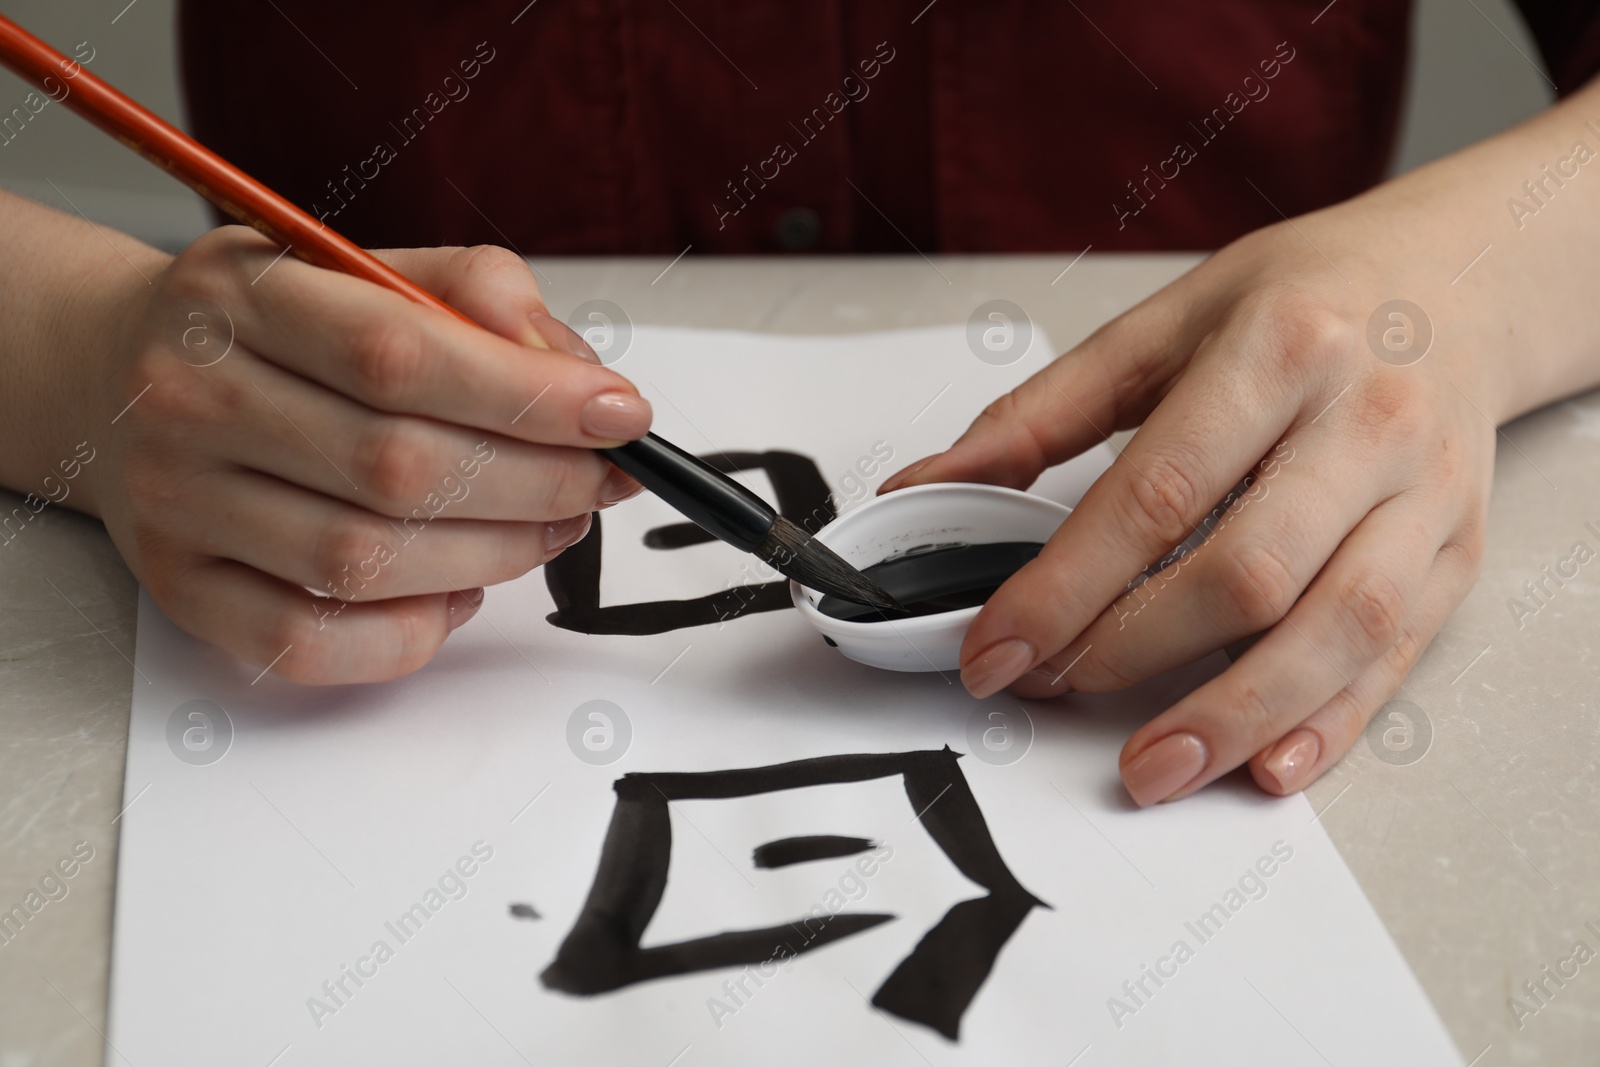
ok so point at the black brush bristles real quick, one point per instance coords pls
(796, 554)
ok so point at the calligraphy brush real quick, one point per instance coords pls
(711, 499)
(728, 510)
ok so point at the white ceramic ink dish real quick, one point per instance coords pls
(898, 523)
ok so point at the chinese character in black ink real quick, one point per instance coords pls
(933, 985)
(573, 577)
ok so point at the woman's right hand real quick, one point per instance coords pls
(274, 428)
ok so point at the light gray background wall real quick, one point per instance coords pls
(134, 51)
(1473, 73)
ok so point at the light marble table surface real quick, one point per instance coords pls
(1479, 844)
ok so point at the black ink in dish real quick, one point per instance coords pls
(937, 579)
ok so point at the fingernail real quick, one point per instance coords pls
(1291, 761)
(618, 487)
(463, 605)
(564, 533)
(997, 666)
(896, 481)
(562, 337)
(616, 416)
(1164, 768)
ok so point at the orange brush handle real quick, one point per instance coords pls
(207, 173)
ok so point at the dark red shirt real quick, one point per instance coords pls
(649, 126)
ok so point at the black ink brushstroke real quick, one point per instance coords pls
(933, 986)
(788, 851)
(678, 535)
(573, 577)
(753, 781)
(735, 948)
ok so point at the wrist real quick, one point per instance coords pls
(71, 294)
(106, 310)
(1515, 282)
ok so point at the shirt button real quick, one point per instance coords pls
(799, 229)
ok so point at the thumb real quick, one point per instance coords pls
(493, 287)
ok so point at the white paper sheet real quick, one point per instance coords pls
(247, 883)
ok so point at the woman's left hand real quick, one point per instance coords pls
(1341, 358)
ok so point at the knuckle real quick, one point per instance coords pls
(1377, 606)
(495, 263)
(1010, 439)
(1404, 653)
(386, 360)
(207, 266)
(223, 241)
(490, 275)
(1257, 585)
(1303, 333)
(1163, 501)
(163, 391)
(341, 547)
(1002, 410)
(394, 460)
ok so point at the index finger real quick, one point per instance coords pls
(394, 355)
(1219, 419)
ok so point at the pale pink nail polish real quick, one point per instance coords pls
(616, 416)
(564, 533)
(897, 480)
(1291, 761)
(617, 487)
(1164, 768)
(463, 605)
(997, 666)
